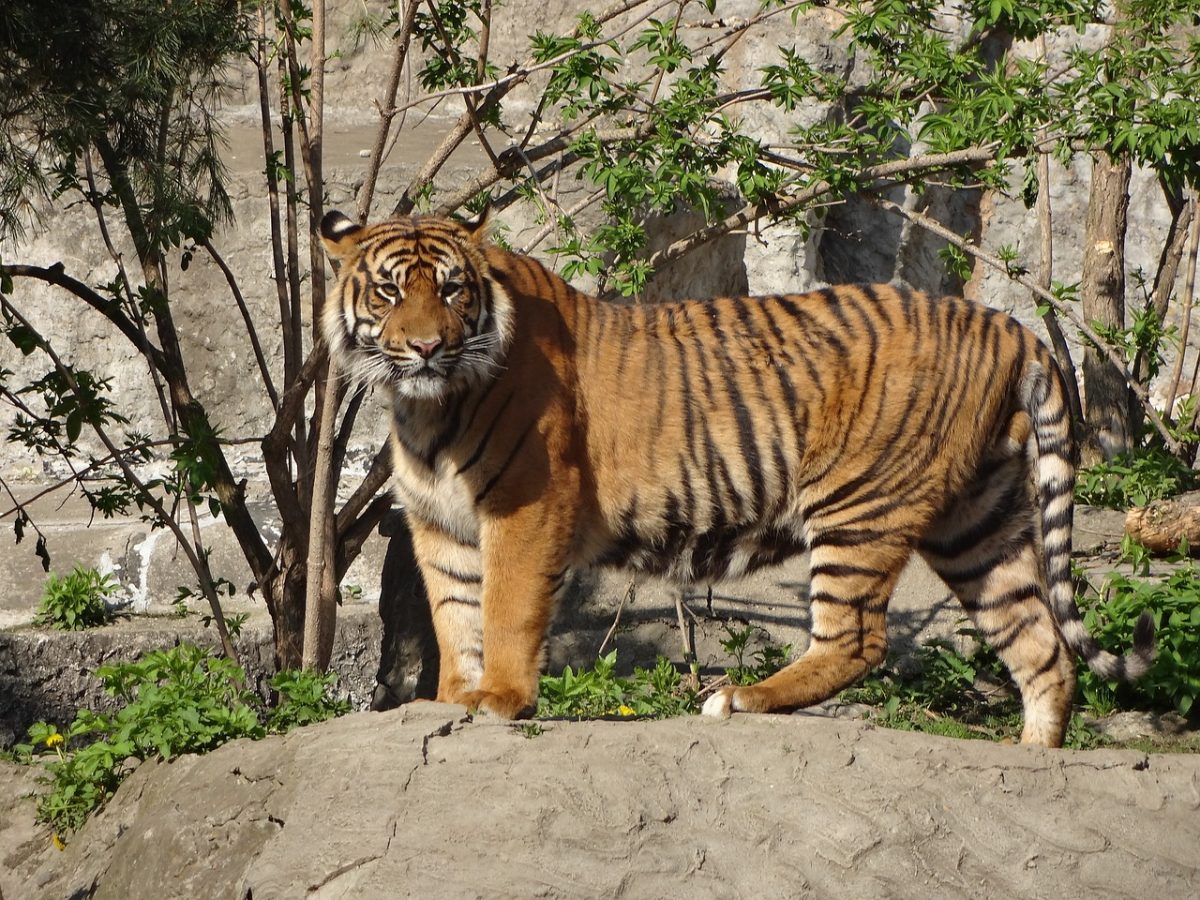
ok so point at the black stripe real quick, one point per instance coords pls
(858, 601)
(457, 601)
(1049, 663)
(843, 570)
(1012, 631)
(847, 537)
(479, 498)
(1008, 598)
(967, 539)
(455, 575)
(478, 454)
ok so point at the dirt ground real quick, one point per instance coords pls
(421, 802)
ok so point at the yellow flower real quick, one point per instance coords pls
(57, 842)
(625, 710)
(54, 740)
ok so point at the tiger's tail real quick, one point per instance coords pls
(1044, 399)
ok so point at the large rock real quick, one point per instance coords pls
(421, 802)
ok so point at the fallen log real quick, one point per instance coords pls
(1163, 524)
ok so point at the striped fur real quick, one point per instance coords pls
(546, 430)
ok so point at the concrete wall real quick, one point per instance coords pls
(852, 241)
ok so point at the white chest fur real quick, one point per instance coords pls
(437, 494)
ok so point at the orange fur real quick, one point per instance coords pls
(548, 430)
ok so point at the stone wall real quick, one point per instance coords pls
(850, 241)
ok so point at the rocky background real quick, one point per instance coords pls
(421, 802)
(850, 241)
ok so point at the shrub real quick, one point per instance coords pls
(76, 601)
(1173, 681)
(1134, 479)
(596, 693)
(182, 700)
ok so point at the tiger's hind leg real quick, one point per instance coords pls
(988, 554)
(850, 589)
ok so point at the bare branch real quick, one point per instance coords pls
(292, 349)
(251, 331)
(377, 476)
(387, 112)
(1188, 300)
(106, 306)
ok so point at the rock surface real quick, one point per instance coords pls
(421, 802)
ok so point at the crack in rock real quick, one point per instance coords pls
(443, 731)
(342, 870)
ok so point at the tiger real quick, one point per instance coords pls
(537, 430)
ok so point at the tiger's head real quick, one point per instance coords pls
(415, 305)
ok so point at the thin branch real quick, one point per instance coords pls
(366, 193)
(627, 596)
(78, 474)
(1188, 299)
(106, 306)
(351, 538)
(251, 332)
(198, 562)
(754, 211)
(373, 482)
(1062, 351)
(134, 314)
(496, 91)
(320, 598)
(292, 349)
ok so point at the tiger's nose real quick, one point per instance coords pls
(425, 347)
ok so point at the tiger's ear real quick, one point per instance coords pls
(339, 234)
(479, 228)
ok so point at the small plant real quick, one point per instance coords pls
(76, 601)
(304, 699)
(597, 693)
(1173, 681)
(233, 623)
(530, 730)
(766, 660)
(1134, 479)
(942, 696)
(182, 700)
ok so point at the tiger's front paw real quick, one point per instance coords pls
(729, 700)
(719, 705)
(502, 703)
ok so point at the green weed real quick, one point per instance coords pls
(598, 693)
(182, 700)
(76, 601)
(1134, 479)
(1173, 681)
(765, 661)
(305, 698)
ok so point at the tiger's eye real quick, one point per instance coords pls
(451, 289)
(388, 291)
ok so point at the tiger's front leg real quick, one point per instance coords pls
(524, 573)
(452, 570)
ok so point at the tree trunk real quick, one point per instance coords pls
(288, 589)
(1110, 428)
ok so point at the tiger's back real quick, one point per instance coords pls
(706, 438)
(766, 410)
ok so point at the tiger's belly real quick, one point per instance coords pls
(686, 554)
